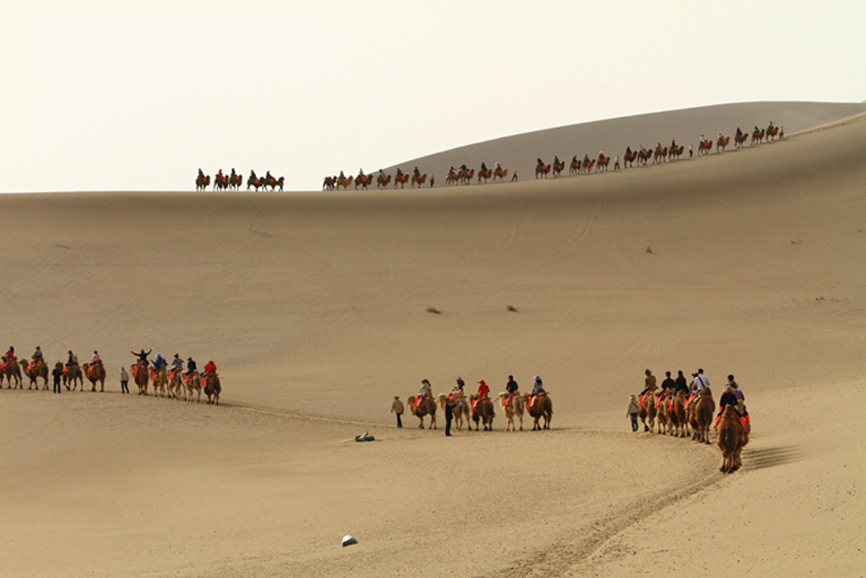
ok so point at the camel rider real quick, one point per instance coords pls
(142, 356)
(483, 390)
(190, 366)
(757, 129)
(176, 364)
(255, 178)
(159, 362)
(540, 162)
(220, 175)
(463, 167)
(628, 151)
(586, 158)
(210, 368)
(649, 382)
(497, 166)
(416, 172)
(739, 132)
(483, 167)
(460, 384)
(538, 387)
(72, 360)
(425, 389)
(95, 360)
(600, 154)
(234, 174)
(399, 172)
(37, 355)
(9, 354)
(268, 176)
(681, 384)
(342, 176)
(673, 143)
(512, 388)
(741, 407)
(361, 173)
(699, 382)
(200, 174)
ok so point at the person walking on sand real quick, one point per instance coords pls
(514, 176)
(124, 380)
(57, 374)
(450, 402)
(633, 410)
(432, 179)
(397, 407)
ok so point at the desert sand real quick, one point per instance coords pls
(315, 308)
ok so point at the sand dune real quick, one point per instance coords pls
(315, 308)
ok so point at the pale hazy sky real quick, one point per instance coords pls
(115, 95)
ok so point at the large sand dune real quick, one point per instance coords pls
(315, 308)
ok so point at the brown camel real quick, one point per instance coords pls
(675, 152)
(574, 167)
(426, 407)
(513, 409)
(702, 415)
(363, 180)
(647, 410)
(141, 376)
(540, 407)
(499, 174)
(772, 132)
(382, 181)
(587, 165)
(95, 372)
(662, 412)
(541, 170)
(460, 411)
(731, 437)
(401, 180)
(757, 137)
(175, 384)
(643, 155)
(159, 377)
(418, 180)
(629, 158)
(193, 383)
(722, 142)
(465, 176)
(558, 165)
(451, 178)
(35, 370)
(705, 147)
(235, 181)
(10, 369)
(202, 182)
(677, 415)
(254, 182)
(72, 374)
(482, 411)
(484, 175)
(602, 164)
(329, 183)
(212, 388)
(740, 140)
(660, 154)
(345, 182)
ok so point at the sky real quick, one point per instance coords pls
(137, 96)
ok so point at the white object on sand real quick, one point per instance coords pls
(349, 540)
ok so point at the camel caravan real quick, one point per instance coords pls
(479, 408)
(166, 381)
(233, 181)
(681, 410)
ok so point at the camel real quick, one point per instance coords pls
(675, 152)
(345, 182)
(772, 132)
(141, 376)
(484, 175)
(662, 413)
(10, 369)
(721, 143)
(363, 180)
(643, 155)
(212, 388)
(34, 371)
(757, 137)
(629, 158)
(460, 411)
(677, 415)
(704, 147)
(160, 381)
(95, 372)
(602, 163)
(235, 181)
(482, 411)
(202, 182)
(220, 182)
(558, 165)
(401, 180)
(587, 165)
(175, 384)
(273, 183)
(193, 383)
(418, 180)
(465, 176)
(499, 174)
(540, 407)
(254, 182)
(702, 415)
(740, 139)
(648, 410)
(72, 374)
(541, 169)
(329, 183)
(731, 437)
(574, 167)
(660, 153)
(382, 181)
(515, 408)
(425, 407)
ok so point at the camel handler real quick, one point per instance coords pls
(397, 407)
(633, 410)
(124, 380)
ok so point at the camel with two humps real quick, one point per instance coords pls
(425, 407)
(514, 408)
(731, 437)
(95, 372)
(35, 370)
(482, 412)
(539, 407)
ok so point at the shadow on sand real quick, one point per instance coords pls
(770, 457)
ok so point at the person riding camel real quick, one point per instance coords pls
(538, 387)
(739, 132)
(540, 162)
(512, 388)
(159, 362)
(72, 360)
(9, 354)
(399, 172)
(176, 365)
(424, 392)
(628, 151)
(463, 167)
(497, 166)
(416, 172)
(190, 368)
(37, 355)
(255, 178)
(234, 174)
(586, 159)
(142, 360)
(483, 167)
(649, 382)
(601, 154)
(268, 176)
(673, 143)
(200, 174)
(220, 175)
(210, 368)
(95, 360)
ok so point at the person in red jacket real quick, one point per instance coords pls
(483, 390)
(210, 368)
